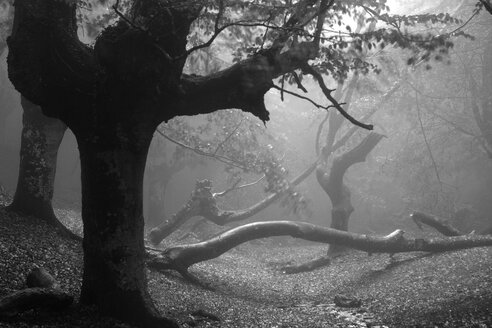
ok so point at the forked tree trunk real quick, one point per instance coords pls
(112, 184)
(41, 137)
(332, 183)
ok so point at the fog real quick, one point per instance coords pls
(432, 152)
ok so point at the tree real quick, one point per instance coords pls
(41, 137)
(113, 96)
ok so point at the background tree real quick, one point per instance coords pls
(41, 137)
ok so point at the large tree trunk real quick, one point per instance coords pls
(112, 184)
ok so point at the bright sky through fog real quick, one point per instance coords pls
(405, 7)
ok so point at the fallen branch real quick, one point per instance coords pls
(439, 224)
(181, 257)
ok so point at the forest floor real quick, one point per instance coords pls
(247, 289)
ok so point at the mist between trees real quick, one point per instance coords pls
(328, 114)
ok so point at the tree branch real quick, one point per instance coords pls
(220, 158)
(181, 257)
(327, 92)
(236, 187)
(439, 224)
(55, 61)
(243, 85)
(436, 170)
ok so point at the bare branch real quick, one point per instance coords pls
(436, 170)
(225, 192)
(282, 90)
(327, 92)
(236, 187)
(298, 81)
(455, 126)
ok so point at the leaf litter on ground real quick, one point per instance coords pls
(247, 289)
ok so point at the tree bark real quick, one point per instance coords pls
(112, 184)
(339, 193)
(41, 137)
(439, 224)
(181, 257)
(40, 140)
(168, 226)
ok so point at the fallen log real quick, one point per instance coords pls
(181, 257)
(441, 225)
(39, 277)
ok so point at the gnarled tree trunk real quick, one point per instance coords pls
(339, 193)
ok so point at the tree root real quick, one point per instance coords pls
(43, 293)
